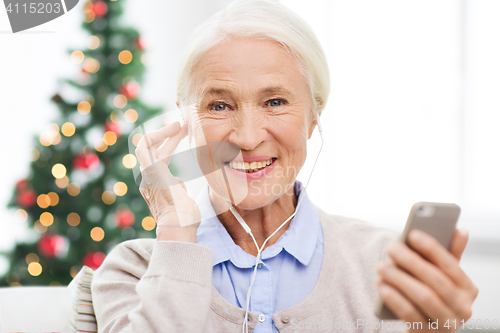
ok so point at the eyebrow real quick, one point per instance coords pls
(267, 90)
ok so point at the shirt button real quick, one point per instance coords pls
(259, 265)
(262, 318)
(285, 319)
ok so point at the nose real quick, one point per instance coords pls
(248, 129)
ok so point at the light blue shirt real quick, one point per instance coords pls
(290, 267)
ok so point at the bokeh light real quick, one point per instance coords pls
(45, 141)
(73, 189)
(73, 271)
(97, 234)
(58, 170)
(93, 42)
(53, 128)
(108, 197)
(115, 116)
(125, 57)
(77, 57)
(145, 59)
(89, 15)
(68, 129)
(120, 188)
(91, 65)
(131, 116)
(62, 182)
(32, 257)
(109, 138)
(84, 107)
(100, 145)
(21, 215)
(35, 269)
(43, 201)
(129, 161)
(148, 223)
(39, 227)
(35, 154)
(54, 198)
(46, 219)
(56, 139)
(120, 101)
(73, 219)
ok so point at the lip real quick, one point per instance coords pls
(252, 175)
(251, 159)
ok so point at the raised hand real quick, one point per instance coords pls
(176, 214)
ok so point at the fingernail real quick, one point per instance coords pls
(383, 268)
(383, 289)
(392, 249)
(418, 235)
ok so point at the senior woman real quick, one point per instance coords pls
(258, 79)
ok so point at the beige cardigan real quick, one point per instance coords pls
(146, 285)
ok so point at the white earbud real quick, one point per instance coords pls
(319, 123)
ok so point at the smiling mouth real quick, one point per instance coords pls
(252, 166)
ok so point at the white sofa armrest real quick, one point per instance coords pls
(35, 309)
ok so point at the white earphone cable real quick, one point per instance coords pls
(249, 231)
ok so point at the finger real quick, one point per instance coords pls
(155, 138)
(459, 242)
(146, 150)
(144, 156)
(399, 305)
(437, 254)
(430, 275)
(422, 296)
(166, 150)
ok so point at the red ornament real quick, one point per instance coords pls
(86, 161)
(139, 43)
(26, 198)
(111, 126)
(51, 245)
(22, 184)
(130, 90)
(124, 218)
(94, 259)
(100, 8)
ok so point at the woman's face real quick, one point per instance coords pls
(251, 97)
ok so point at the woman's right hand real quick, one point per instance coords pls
(177, 215)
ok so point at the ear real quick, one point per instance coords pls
(311, 128)
(178, 104)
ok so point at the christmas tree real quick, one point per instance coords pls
(80, 198)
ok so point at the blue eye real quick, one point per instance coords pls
(276, 102)
(220, 109)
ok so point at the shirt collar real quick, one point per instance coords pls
(299, 240)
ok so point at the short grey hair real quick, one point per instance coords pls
(261, 19)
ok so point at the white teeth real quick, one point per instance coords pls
(250, 167)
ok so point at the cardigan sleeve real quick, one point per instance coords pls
(167, 289)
